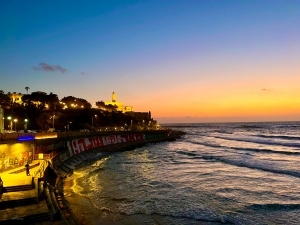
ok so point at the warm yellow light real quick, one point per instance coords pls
(41, 156)
(15, 120)
(45, 136)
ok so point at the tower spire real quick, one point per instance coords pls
(113, 97)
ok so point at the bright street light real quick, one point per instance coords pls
(15, 120)
(93, 122)
(25, 125)
(10, 123)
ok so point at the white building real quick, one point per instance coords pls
(119, 105)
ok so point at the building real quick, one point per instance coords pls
(16, 98)
(119, 105)
(140, 116)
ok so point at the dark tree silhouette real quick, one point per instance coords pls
(27, 88)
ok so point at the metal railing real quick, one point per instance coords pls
(41, 170)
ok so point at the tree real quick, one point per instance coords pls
(72, 102)
(44, 120)
(101, 105)
(26, 88)
(4, 99)
(52, 101)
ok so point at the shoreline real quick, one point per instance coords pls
(83, 212)
(79, 207)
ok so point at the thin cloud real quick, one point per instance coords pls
(83, 73)
(49, 68)
(267, 89)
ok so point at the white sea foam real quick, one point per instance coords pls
(226, 173)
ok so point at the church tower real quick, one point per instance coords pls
(113, 97)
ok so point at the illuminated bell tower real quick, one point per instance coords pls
(113, 97)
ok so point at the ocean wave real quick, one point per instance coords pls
(273, 207)
(252, 165)
(119, 199)
(249, 126)
(154, 208)
(284, 137)
(188, 153)
(263, 150)
(259, 141)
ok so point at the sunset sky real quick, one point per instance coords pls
(185, 61)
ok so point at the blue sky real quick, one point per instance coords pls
(156, 55)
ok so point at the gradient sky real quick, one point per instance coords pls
(186, 61)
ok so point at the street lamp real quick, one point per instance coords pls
(25, 126)
(10, 123)
(15, 120)
(93, 122)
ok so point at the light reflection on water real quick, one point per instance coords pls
(201, 177)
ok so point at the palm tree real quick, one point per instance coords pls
(26, 88)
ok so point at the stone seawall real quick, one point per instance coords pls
(81, 149)
(18, 149)
(77, 150)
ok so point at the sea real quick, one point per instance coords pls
(217, 173)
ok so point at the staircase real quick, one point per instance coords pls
(19, 200)
(26, 200)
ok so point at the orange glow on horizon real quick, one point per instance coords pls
(245, 99)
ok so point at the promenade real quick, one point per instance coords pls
(21, 201)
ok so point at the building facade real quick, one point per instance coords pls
(119, 105)
(16, 98)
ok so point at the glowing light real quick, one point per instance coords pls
(26, 138)
(45, 136)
